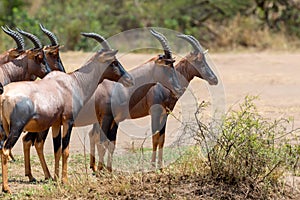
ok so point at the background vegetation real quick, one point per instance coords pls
(218, 24)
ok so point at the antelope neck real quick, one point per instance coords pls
(4, 58)
(143, 75)
(187, 71)
(87, 78)
(14, 71)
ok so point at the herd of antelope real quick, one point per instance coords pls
(101, 92)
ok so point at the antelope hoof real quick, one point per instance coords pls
(32, 180)
(11, 159)
(49, 179)
(160, 166)
(55, 178)
(100, 166)
(109, 169)
(64, 180)
(94, 169)
(153, 164)
(6, 190)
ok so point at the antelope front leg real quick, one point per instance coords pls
(93, 138)
(161, 142)
(157, 115)
(56, 134)
(111, 149)
(155, 138)
(4, 164)
(101, 152)
(67, 129)
(102, 143)
(112, 136)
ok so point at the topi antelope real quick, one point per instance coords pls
(51, 102)
(193, 65)
(158, 69)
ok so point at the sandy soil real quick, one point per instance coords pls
(274, 76)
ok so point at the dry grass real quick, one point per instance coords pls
(188, 178)
(241, 33)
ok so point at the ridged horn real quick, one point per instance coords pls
(197, 42)
(50, 35)
(193, 41)
(37, 43)
(16, 36)
(163, 40)
(99, 38)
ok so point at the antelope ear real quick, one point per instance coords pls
(38, 53)
(14, 53)
(40, 56)
(111, 53)
(108, 55)
(160, 61)
(54, 51)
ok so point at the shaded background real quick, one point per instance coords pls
(219, 25)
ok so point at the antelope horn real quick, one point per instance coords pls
(193, 41)
(50, 35)
(37, 43)
(163, 40)
(99, 38)
(16, 36)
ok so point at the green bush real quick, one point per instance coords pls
(249, 148)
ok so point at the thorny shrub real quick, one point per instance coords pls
(249, 148)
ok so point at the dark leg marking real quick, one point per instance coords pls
(112, 134)
(66, 139)
(57, 142)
